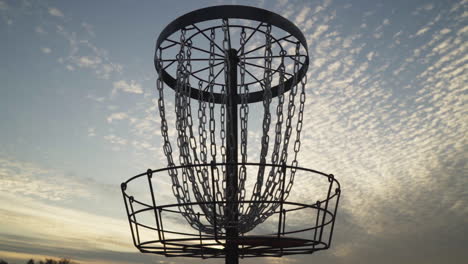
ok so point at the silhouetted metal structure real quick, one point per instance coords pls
(219, 61)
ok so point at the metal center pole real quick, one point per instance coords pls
(231, 213)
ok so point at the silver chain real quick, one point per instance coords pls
(297, 143)
(179, 193)
(202, 175)
(254, 208)
(272, 193)
(196, 182)
(212, 125)
(244, 116)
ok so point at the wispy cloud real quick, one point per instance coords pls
(61, 226)
(394, 142)
(127, 87)
(39, 30)
(96, 59)
(91, 132)
(88, 62)
(302, 15)
(115, 140)
(46, 50)
(424, 8)
(385, 112)
(28, 179)
(55, 12)
(422, 31)
(96, 98)
(370, 55)
(89, 29)
(117, 116)
(37, 217)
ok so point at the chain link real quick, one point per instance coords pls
(201, 173)
(181, 110)
(267, 77)
(272, 193)
(212, 124)
(204, 184)
(177, 189)
(244, 116)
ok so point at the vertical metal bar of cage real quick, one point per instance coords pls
(149, 173)
(280, 221)
(242, 255)
(316, 224)
(330, 180)
(123, 187)
(338, 194)
(200, 237)
(283, 178)
(134, 220)
(163, 241)
(215, 216)
(284, 221)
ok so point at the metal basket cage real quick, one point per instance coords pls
(296, 227)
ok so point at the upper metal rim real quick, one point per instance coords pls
(240, 12)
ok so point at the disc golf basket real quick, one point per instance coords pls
(231, 127)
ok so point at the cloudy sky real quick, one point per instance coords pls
(386, 113)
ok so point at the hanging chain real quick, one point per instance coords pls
(297, 143)
(290, 115)
(205, 183)
(202, 124)
(227, 91)
(212, 123)
(279, 111)
(271, 192)
(274, 178)
(291, 111)
(180, 191)
(222, 132)
(275, 173)
(267, 77)
(211, 77)
(244, 116)
(203, 137)
(181, 124)
(202, 175)
(164, 131)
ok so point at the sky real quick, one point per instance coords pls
(385, 113)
